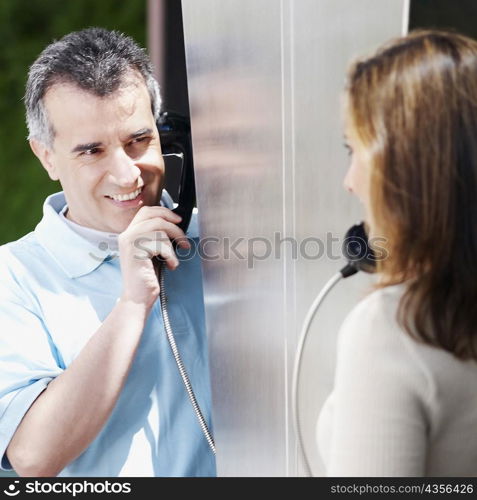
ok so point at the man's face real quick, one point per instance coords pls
(106, 153)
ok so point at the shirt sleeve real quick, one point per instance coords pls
(27, 363)
(375, 414)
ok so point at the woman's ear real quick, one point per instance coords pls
(44, 154)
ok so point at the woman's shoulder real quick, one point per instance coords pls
(371, 333)
(375, 352)
(375, 315)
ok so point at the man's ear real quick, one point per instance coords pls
(43, 153)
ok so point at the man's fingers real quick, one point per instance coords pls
(145, 213)
(183, 242)
(151, 235)
(156, 244)
(147, 226)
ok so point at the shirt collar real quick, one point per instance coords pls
(100, 239)
(72, 251)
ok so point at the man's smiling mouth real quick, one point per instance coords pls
(126, 197)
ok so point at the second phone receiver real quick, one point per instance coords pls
(357, 251)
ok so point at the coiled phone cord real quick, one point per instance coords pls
(177, 357)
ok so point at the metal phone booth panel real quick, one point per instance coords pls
(265, 79)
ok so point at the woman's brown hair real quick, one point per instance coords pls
(413, 107)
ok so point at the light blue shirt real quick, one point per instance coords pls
(56, 289)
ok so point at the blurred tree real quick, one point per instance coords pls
(26, 27)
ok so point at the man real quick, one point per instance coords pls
(88, 383)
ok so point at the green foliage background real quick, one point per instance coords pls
(26, 27)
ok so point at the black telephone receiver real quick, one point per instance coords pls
(357, 251)
(175, 134)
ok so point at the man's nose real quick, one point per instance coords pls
(123, 169)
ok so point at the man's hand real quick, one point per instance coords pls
(149, 234)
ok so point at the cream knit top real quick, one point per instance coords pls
(398, 407)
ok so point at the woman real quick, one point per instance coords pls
(404, 401)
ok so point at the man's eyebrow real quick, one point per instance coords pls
(84, 147)
(139, 133)
(91, 145)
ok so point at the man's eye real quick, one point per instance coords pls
(138, 146)
(139, 139)
(90, 152)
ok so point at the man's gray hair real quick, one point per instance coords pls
(95, 60)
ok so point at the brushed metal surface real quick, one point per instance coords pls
(264, 80)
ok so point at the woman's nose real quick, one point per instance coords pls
(347, 181)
